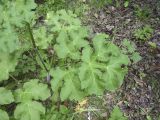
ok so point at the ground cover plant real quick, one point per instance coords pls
(52, 64)
(144, 33)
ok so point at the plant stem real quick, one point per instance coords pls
(14, 78)
(35, 47)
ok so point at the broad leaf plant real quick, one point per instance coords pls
(75, 66)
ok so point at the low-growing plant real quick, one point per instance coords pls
(153, 45)
(129, 48)
(68, 66)
(142, 13)
(144, 33)
(117, 114)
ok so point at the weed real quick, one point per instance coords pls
(75, 68)
(144, 33)
(142, 13)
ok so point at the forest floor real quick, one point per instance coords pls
(139, 96)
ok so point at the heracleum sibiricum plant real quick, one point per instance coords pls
(76, 68)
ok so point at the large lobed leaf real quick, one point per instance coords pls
(13, 13)
(8, 40)
(32, 90)
(6, 96)
(17, 12)
(71, 88)
(70, 34)
(63, 20)
(102, 66)
(30, 110)
(70, 43)
(3, 115)
(7, 64)
(41, 38)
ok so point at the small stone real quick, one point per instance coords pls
(109, 27)
(96, 15)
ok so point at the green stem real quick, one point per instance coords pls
(35, 47)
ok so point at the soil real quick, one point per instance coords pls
(139, 96)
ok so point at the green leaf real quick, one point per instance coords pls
(6, 96)
(63, 20)
(63, 114)
(30, 110)
(71, 88)
(152, 45)
(136, 57)
(41, 38)
(64, 109)
(144, 33)
(149, 117)
(70, 43)
(89, 73)
(17, 12)
(115, 71)
(101, 50)
(58, 76)
(130, 46)
(102, 67)
(13, 13)
(126, 3)
(70, 34)
(32, 90)
(27, 64)
(7, 64)
(8, 40)
(3, 115)
(117, 114)
(61, 47)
